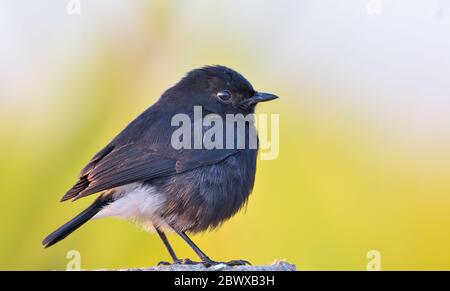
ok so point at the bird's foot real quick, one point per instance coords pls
(238, 263)
(207, 263)
(179, 262)
(233, 263)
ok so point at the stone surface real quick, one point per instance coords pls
(278, 265)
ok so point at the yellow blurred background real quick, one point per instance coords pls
(364, 158)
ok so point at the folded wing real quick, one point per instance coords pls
(116, 166)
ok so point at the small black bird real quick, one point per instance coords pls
(143, 177)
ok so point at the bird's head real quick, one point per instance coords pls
(218, 89)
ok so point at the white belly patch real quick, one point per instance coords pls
(136, 202)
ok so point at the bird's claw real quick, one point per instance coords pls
(238, 263)
(206, 263)
(186, 262)
(178, 262)
(231, 263)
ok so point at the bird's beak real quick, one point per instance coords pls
(258, 97)
(263, 97)
(255, 99)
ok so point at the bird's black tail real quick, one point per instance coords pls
(76, 222)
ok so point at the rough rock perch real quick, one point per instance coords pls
(278, 265)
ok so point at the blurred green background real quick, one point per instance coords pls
(364, 115)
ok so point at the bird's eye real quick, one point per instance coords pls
(224, 96)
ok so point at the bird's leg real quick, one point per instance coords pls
(205, 259)
(163, 237)
(175, 259)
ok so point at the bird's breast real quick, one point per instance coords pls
(206, 196)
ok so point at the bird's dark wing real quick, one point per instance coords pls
(116, 166)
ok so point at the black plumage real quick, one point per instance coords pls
(201, 188)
